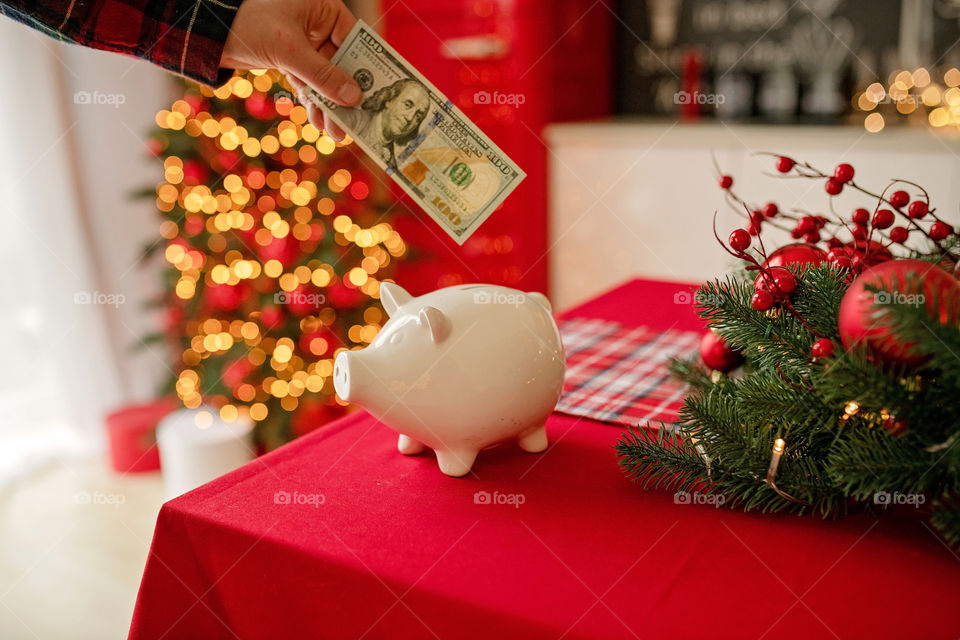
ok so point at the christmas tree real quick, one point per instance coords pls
(276, 240)
(850, 353)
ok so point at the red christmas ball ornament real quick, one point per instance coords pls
(313, 414)
(271, 316)
(899, 199)
(739, 240)
(717, 355)
(260, 106)
(843, 172)
(896, 428)
(317, 344)
(761, 300)
(726, 182)
(193, 224)
(833, 186)
(226, 297)
(858, 323)
(195, 172)
(917, 209)
(883, 219)
(785, 164)
(822, 348)
(940, 230)
(285, 249)
(899, 234)
(344, 297)
(797, 253)
(235, 372)
(770, 210)
(303, 301)
(860, 216)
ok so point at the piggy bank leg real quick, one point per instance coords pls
(456, 463)
(408, 446)
(533, 440)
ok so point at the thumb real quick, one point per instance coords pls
(323, 76)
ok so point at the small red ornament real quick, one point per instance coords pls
(303, 301)
(285, 249)
(761, 300)
(858, 323)
(195, 172)
(770, 210)
(806, 224)
(271, 316)
(883, 219)
(717, 355)
(797, 253)
(899, 199)
(918, 209)
(235, 372)
(899, 234)
(861, 216)
(785, 164)
(739, 240)
(226, 297)
(843, 172)
(822, 348)
(896, 428)
(726, 182)
(833, 186)
(940, 230)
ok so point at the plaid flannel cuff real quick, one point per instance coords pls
(197, 42)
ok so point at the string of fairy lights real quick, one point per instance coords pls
(254, 208)
(915, 95)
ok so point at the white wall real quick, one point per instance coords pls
(634, 199)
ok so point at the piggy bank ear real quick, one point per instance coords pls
(436, 323)
(393, 296)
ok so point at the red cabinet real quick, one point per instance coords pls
(512, 67)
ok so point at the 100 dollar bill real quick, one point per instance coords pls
(418, 137)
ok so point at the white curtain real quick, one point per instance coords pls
(70, 292)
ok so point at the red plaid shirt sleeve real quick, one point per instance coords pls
(183, 36)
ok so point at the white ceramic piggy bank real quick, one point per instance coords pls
(458, 370)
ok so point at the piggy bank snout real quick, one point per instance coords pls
(341, 374)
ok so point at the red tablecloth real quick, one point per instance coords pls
(397, 550)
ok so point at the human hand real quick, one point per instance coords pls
(298, 37)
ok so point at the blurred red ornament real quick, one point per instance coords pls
(226, 297)
(726, 182)
(271, 316)
(155, 147)
(319, 343)
(285, 249)
(235, 372)
(870, 253)
(260, 106)
(822, 348)
(303, 301)
(195, 172)
(313, 414)
(343, 297)
(895, 427)
(859, 324)
(717, 355)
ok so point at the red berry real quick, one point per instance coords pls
(813, 237)
(779, 281)
(822, 348)
(859, 233)
(843, 172)
(883, 219)
(770, 210)
(754, 228)
(761, 300)
(940, 230)
(796, 234)
(918, 209)
(861, 216)
(842, 262)
(834, 242)
(784, 164)
(899, 234)
(833, 186)
(756, 216)
(726, 182)
(739, 239)
(837, 252)
(806, 224)
(899, 199)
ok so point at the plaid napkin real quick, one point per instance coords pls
(621, 374)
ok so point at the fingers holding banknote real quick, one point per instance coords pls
(297, 37)
(317, 117)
